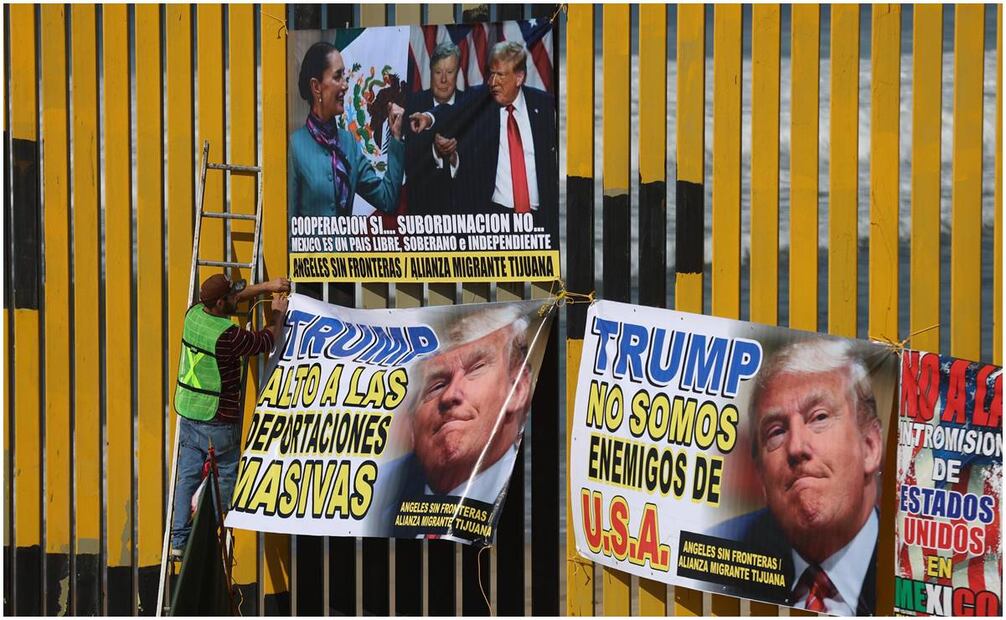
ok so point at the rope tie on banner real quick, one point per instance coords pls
(899, 346)
(564, 297)
(478, 561)
(581, 565)
(282, 30)
(559, 8)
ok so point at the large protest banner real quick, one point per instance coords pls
(423, 153)
(402, 423)
(950, 474)
(731, 457)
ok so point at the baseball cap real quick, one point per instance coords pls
(217, 286)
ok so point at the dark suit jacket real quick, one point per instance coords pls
(759, 531)
(429, 188)
(476, 125)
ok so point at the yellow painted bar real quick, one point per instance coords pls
(691, 55)
(372, 14)
(579, 163)
(241, 109)
(616, 589)
(764, 306)
(580, 87)
(579, 572)
(119, 431)
(843, 181)
(652, 93)
(150, 244)
(803, 167)
(883, 319)
(87, 365)
(408, 14)
(27, 440)
(691, 50)
(55, 207)
(652, 168)
(210, 70)
(884, 134)
(615, 124)
(276, 568)
(966, 214)
(726, 239)
(765, 163)
(927, 72)
(243, 149)
(997, 295)
(440, 14)
(726, 167)
(180, 186)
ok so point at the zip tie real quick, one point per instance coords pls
(282, 30)
(564, 297)
(478, 560)
(555, 14)
(899, 346)
(581, 565)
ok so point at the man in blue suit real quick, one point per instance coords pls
(818, 447)
(507, 159)
(427, 165)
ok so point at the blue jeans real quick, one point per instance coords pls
(193, 447)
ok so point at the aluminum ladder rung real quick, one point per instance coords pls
(229, 216)
(224, 263)
(234, 168)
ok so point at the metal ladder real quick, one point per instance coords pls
(228, 265)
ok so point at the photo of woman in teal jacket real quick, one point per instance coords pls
(327, 168)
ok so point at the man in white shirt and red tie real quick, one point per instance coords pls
(502, 140)
(818, 447)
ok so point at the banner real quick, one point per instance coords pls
(423, 154)
(948, 549)
(731, 457)
(394, 423)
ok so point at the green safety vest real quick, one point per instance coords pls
(198, 390)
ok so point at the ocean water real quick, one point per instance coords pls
(904, 180)
(988, 163)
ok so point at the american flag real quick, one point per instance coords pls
(474, 42)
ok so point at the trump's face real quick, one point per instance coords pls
(504, 81)
(817, 463)
(463, 396)
(444, 78)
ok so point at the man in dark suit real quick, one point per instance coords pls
(428, 178)
(817, 444)
(506, 140)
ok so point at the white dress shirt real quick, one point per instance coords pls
(846, 568)
(503, 194)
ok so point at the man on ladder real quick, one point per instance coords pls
(208, 394)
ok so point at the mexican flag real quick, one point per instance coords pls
(376, 66)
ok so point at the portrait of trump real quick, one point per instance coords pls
(817, 444)
(465, 416)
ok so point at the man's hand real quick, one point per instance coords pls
(280, 303)
(278, 285)
(395, 114)
(445, 147)
(420, 122)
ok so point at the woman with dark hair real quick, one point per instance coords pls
(327, 168)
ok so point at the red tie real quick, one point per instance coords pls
(518, 174)
(820, 588)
